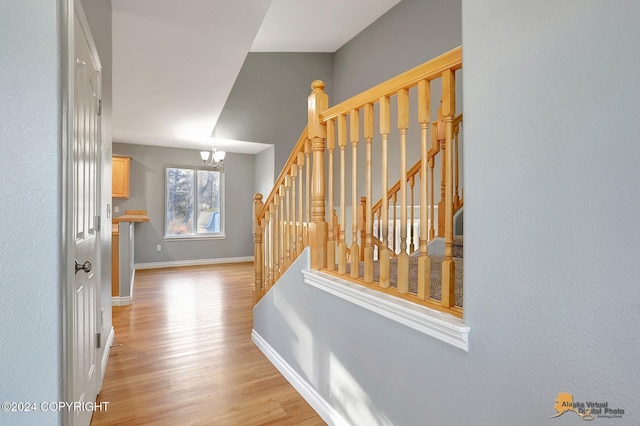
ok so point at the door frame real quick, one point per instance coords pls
(68, 8)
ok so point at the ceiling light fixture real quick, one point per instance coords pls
(213, 158)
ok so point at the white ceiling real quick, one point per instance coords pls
(175, 61)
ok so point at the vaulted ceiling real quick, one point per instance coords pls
(175, 62)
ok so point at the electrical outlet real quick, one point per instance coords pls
(116, 209)
(158, 247)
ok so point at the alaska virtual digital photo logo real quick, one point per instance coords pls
(586, 410)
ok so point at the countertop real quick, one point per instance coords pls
(127, 218)
(131, 218)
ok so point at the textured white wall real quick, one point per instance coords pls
(30, 208)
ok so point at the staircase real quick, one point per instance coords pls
(323, 198)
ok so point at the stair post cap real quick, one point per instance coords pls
(317, 85)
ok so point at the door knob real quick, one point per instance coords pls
(86, 267)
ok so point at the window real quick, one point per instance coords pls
(193, 203)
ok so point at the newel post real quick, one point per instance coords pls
(317, 133)
(258, 284)
(448, 266)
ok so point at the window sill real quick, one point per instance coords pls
(441, 326)
(195, 237)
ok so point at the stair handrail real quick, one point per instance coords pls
(327, 131)
(451, 60)
(275, 249)
(343, 136)
(293, 159)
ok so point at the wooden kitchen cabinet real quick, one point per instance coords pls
(120, 167)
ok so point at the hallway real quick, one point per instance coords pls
(183, 355)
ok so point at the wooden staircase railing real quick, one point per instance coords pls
(413, 177)
(280, 228)
(280, 235)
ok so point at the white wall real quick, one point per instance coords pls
(30, 208)
(551, 289)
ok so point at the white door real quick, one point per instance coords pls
(85, 197)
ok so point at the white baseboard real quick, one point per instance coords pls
(195, 262)
(120, 301)
(107, 352)
(317, 402)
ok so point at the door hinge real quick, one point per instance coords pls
(99, 106)
(98, 340)
(98, 223)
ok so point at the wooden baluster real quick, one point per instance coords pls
(342, 245)
(394, 242)
(354, 127)
(258, 289)
(267, 247)
(318, 102)
(411, 236)
(443, 171)
(424, 262)
(456, 195)
(368, 245)
(336, 227)
(376, 249)
(276, 235)
(403, 125)
(432, 193)
(331, 243)
(294, 226)
(385, 127)
(287, 219)
(307, 154)
(274, 239)
(281, 235)
(301, 241)
(361, 224)
(448, 267)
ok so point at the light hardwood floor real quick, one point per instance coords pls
(186, 356)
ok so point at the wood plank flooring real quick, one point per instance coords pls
(186, 356)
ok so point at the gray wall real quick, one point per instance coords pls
(268, 102)
(552, 304)
(31, 208)
(147, 192)
(551, 191)
(98, 13)
(409, 34)
(264, 171)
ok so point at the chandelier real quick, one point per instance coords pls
(213, 158)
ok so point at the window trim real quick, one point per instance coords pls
(204, 236)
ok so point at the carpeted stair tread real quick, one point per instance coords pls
(436, 272)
